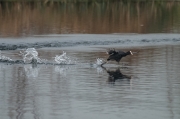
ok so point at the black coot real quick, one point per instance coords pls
(117, 55)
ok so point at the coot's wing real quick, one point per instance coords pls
(111, 52)
(121, 52)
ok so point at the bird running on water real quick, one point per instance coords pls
(117, 55)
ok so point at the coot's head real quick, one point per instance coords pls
(129, 53)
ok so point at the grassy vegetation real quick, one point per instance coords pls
(74, 1)
(7, 3)
(45, 17)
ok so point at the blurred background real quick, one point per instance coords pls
(145, 85)
(32, 17)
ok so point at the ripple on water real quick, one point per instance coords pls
(147, 88)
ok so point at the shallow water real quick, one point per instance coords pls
(145, 85)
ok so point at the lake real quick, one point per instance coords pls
(68, 39)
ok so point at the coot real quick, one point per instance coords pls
(117, 55)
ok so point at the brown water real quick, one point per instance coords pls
(145, 85)
(26, 19)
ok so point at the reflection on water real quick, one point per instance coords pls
(116, 74)
(32, 18)
(31, 70)
(81, 91)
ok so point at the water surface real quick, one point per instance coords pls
(49, 53)
(145, 85)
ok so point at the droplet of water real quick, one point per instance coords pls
(63, 59)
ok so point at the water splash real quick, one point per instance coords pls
(4, 58)
(100, 62)
(30, 55)
(63, 59)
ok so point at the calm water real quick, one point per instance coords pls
(143, 86)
